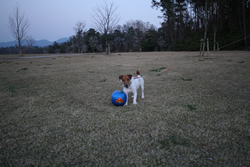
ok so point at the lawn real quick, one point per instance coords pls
(57, 111)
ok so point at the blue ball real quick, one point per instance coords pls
(118, 98)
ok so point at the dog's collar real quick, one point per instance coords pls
(130, 83)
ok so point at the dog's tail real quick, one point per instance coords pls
(137, 72)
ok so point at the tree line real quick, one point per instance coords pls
(134, 36)
(185, 23)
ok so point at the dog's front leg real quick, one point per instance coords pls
(127, 98)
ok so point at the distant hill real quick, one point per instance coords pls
(40, 43)
(61, 40)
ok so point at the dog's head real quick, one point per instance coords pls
(126, 79)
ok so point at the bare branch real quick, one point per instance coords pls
(105, 17)
(30, 41)
(80, 26)
(79, 37)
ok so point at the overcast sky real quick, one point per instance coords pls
(54, 19)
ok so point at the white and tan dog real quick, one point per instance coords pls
(131, 84)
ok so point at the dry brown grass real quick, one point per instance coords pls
(57, 111)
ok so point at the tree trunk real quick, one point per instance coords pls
(140, 48)
(20, 47)
(196, 18)
(205, 33)
(107, 42)
(215, 32)
(107, 47)
(79, 50)
(244, 22)
(214, 48)
(215, 20)
(181, 22)
(239, 11)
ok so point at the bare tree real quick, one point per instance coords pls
(106, 19)
(215, 10)
(80, 26)
(18, 26)
(93, 41)
(30, 42)
(244, 21)
(140, 28)
(79, 30)
(205, 33)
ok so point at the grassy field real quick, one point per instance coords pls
(57, 111)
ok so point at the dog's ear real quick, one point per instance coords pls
(130, 76)
(120, 77)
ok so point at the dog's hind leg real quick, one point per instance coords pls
(142, 89)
